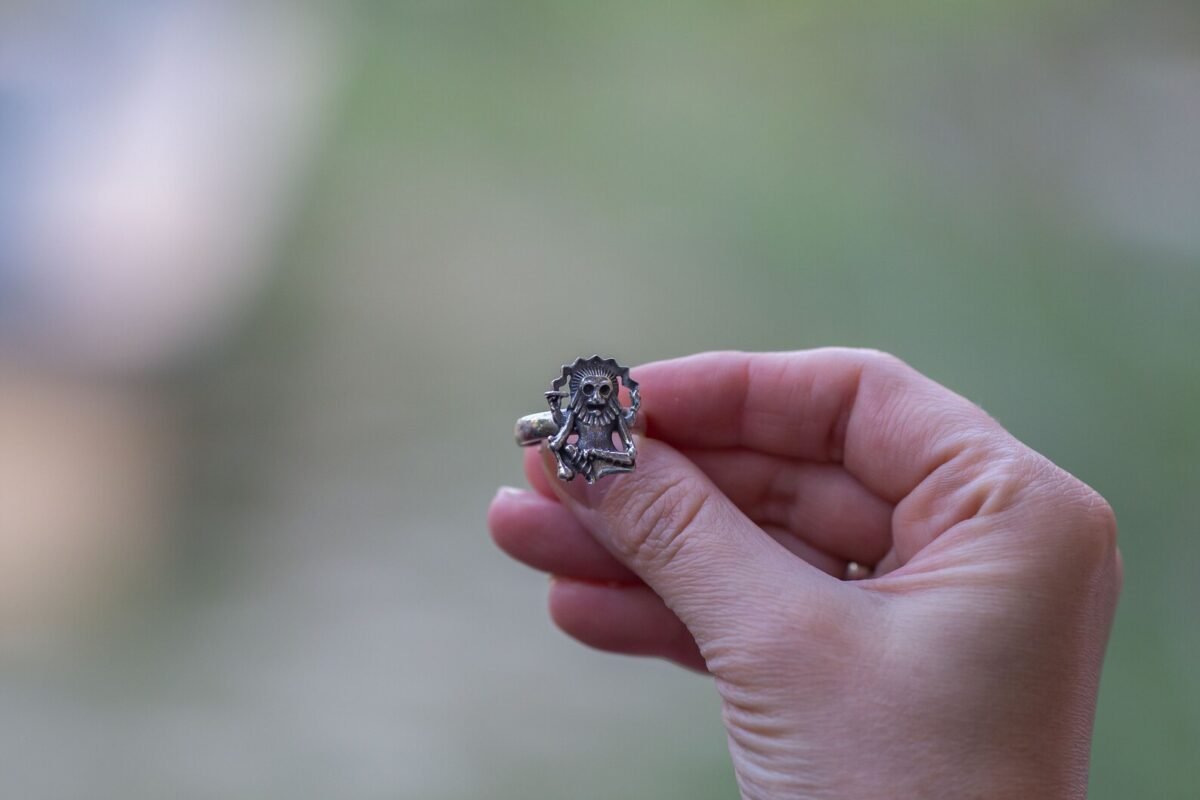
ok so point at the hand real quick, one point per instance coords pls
(966, 666)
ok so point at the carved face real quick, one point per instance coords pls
(597, 391)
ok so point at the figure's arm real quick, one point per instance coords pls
(635, 403)
(626, 437)
(553, 398)
(564, 430)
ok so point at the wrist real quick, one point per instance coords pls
(911, 757)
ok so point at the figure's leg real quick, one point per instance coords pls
(608, 469)
(564, 457)
(585, 464)
(607, 462)
(613, 457)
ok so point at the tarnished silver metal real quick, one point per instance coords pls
(581, 433)
(857, 572)
(533, 428)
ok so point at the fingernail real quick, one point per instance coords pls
(508, 491)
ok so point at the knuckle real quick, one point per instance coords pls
(655, 519)
(1100, 521)
(1114, 573)
(879, 359)
(1091, 541)
(1087, 524)
(1059, 516)
(998, 466)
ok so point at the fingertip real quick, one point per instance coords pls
(510, 512)
(508, 493)
(506, 499)
(535, 471)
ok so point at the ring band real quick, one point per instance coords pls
(534, 428)
(857, 572)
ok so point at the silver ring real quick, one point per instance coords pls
(857, 572)
(581, 433)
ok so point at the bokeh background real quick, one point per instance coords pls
(276, 279)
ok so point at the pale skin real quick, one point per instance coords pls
(966, 666)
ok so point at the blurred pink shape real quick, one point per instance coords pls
(156, 194)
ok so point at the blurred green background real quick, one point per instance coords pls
(1007, 195)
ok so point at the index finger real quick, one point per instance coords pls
(886, 423)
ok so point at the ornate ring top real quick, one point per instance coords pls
(593, 415)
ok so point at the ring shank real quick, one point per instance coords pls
(533, 428)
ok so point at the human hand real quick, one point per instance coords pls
(966, 666)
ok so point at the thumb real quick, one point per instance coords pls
(680, 534)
